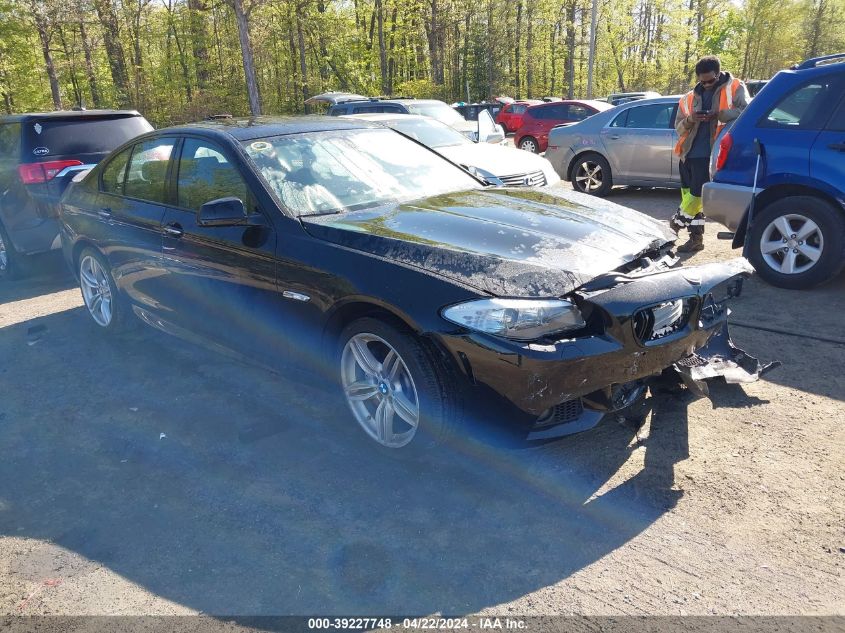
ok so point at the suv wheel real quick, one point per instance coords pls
(10, 261)
(591, 174)
(797, 242)
(529, 144)
(401, 398)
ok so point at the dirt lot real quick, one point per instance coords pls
(144, 475)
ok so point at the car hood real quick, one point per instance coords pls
(467, 128)
(503, 242)
(498, 159)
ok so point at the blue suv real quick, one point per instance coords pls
(796, 238)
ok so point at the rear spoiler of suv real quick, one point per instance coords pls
(819, 61)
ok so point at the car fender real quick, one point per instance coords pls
(585, 149)
(788, 185)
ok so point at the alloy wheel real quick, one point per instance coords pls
(380, 390)
(791, 244)
(96, 290)
(529, 146)
(589, 176)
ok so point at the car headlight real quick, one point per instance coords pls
(519, 319)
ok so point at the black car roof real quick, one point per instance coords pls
(65, 114)
(257, 127)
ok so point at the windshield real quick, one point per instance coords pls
(333, 171)
(429, 132)
(439, 111)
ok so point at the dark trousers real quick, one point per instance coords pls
(694, 173)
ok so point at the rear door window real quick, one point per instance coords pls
(76, 136)
(656, 116)
(146, 177)
(114, 173)
(578, 113)
(557, 112)
(620, 120)
(807, 107)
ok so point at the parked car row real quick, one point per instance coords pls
(538, 121)
(797, 235)
(379, 252)
(496, 163)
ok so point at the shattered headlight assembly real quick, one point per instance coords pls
(518, 319)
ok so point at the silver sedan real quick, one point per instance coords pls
(631, 144)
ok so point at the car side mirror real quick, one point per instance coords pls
(229, 211)
(488, 131)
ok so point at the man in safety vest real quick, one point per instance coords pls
(716, 99)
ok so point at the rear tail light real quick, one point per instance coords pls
(724, 149)
(34, 173)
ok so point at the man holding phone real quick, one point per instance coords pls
(716, 99)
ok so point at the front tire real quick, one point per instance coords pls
(529, 144)
(104, 304)
(797, 242)
(591, 175)
(403, 400)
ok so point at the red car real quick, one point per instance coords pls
(538, 120)
(510, 117)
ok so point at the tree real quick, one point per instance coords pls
(44, 27)
(242, 18)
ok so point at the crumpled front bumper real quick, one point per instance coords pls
(605, 371)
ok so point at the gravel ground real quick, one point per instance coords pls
(143, 475)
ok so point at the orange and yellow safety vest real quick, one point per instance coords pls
(726, 102)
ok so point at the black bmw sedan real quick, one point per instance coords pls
(359, 254)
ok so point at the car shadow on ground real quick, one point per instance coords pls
(45, 274)
(140, 454)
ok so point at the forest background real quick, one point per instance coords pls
(183, 60)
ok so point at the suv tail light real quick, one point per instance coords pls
(34, 173)
(724, 149)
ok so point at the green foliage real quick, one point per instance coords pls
(183, 61)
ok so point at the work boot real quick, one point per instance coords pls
(695, 243)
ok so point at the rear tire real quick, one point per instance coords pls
(529, 144)
(400, 375)
(105, 306)
(591, 174)
(12, 263)
(813, 256)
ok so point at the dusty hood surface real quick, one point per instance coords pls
(505, 242)
(498, 159)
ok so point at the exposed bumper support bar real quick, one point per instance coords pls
(720, 357)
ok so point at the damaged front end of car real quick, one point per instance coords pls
(638, 323)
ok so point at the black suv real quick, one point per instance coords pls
(40, 153)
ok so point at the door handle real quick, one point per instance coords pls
(173, 229)
(837, 146)
(614, 137)
(105, 212)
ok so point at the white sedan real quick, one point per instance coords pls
(514, 167)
